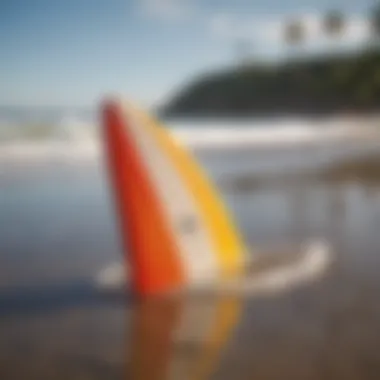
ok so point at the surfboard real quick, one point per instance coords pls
(176, 231)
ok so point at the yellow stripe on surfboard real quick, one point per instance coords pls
(229, 248)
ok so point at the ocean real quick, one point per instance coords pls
(286, 182)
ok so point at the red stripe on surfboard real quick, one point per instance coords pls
(153, 254)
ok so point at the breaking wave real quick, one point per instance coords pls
(75, 139)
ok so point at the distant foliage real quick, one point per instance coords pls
(335, 84)
(375, 21)
(294, 32)
(334, 23)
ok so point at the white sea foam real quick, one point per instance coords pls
(223, 137)
(311, 266)
(73, 141)
(111, 277)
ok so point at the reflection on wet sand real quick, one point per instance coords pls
(181, 338)
(364, 169)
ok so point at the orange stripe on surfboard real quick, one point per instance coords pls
(151, 247)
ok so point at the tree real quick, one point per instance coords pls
(375, 22)
(333, 26)
(374, 39)
(294, 35)
(294, 32)
(334, 23)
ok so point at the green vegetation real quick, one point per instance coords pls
(323, 85)
(334, 23)
(319, 85)
(375, 22)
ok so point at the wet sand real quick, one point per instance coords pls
(57, 233)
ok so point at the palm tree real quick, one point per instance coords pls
(294, 35)
(375, 23)
(294, 32)
(334, 24)
(374, 41)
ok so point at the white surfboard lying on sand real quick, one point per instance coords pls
(176, 232)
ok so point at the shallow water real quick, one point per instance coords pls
(57, 232)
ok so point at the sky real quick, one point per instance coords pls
(74, 52)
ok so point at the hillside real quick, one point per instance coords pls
(318, 86)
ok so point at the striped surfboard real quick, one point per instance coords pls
(176, 231)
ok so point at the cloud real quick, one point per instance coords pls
(358, 30)
(268, 32)
(167, 10)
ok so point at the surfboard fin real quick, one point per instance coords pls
(175, 229)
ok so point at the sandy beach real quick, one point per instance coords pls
(58, 231)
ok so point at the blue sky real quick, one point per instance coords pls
(72, 52)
